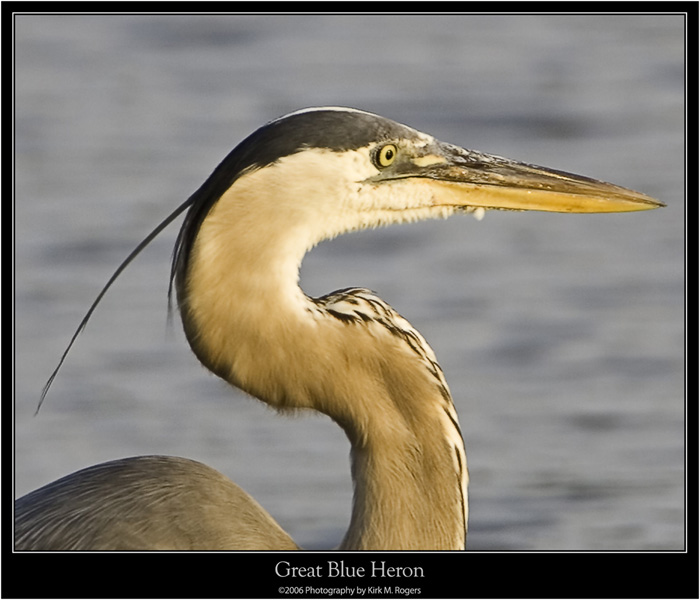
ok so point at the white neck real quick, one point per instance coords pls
(249, 322)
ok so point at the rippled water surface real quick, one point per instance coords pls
(562, 336)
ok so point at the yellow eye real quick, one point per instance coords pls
(386, 155)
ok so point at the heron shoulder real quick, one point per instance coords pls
(145, 503)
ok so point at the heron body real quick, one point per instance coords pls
(303, 178)
(198, 500)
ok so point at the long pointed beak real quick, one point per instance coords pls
(465, 178)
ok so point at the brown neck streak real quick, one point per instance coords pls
(248, 321)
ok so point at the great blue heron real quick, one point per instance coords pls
(303, 178)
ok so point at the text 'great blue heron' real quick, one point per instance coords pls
(303, 178)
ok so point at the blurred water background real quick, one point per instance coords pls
(562, 336)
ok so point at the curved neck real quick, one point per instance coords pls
(347, 355)
(410, 490)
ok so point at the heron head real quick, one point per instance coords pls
(345, 169)
(320, 172)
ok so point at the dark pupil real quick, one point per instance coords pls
(388, 154)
